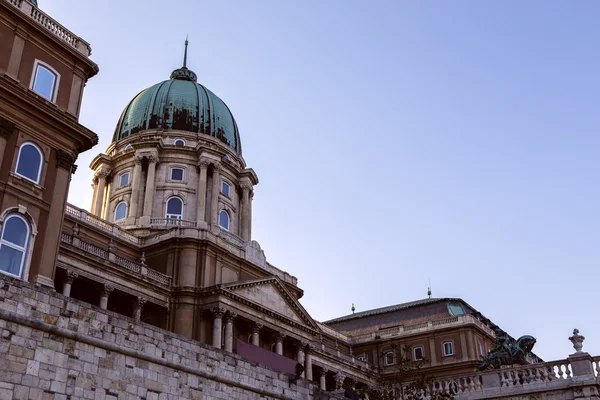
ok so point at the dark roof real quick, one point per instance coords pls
(388, 309)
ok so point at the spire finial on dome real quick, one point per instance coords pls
(185, 53)
(184, 73)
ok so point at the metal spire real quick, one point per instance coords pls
(353, 308)
(429, 289)
(185, 53)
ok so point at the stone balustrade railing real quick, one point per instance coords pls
(137, 269)
(400, 330)
(172, 222)
(88, 218)
(51, 26)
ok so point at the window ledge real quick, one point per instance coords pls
(26, 184)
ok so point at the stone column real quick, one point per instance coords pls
(339, 380)
(43, 271)
(229, 331)
(218, 313)
(308, 363)
(137, 313)
(216, 189)
(279, 343)
(256, 327)
(100, 187)
(245, 231)
(463, 347)
(300, 356)
(106, 291)
(150, 186)
(71, 276)
(323, 379)
(135, 187)
(201, 200)
(6, 129)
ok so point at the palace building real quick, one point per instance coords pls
(167, 241)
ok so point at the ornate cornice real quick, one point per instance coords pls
(6, 127)
(65, 160)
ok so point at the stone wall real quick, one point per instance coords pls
(55, 347)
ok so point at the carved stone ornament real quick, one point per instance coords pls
(71, 276)
(107, 290)
(65, 160)
(204, 163)
(6, 127)
(74, 168)
(577, 340)
(256, 327)
(230, 316)
(138, 159)
(152, 159)
(246, 186)
(218, 312)
(280, 336)
(141, 302)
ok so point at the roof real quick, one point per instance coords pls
(393, 308)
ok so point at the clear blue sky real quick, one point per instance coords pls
(395, 142)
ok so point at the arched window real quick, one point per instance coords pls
(180, 142)
(45, 80)
(128, 147)
(174, 208)
(224, 220)
(418, 353)
(121, 211)
(13, 245)
(29, 162)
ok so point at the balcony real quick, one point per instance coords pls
(51, 26)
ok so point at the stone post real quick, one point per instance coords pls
(218, 313)
(229, 331)
(279, 343)
(300, 356)
(216, 188)
(106, 291)
(112, 247)
(6, 129)
(135, 187)
(582, 365)
(323, 379)
(137, 313)
(308, 363)
(100, 187)
(71, 276)
(245, 231)
(43, 273)
(150, 186)
(201, 200)
(256, 327)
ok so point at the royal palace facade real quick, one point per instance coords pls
(166, 244)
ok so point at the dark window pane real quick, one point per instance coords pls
(121, 211)
(225, 189)
(179, 142)
(175, 206)
(44, 82)
(15, 231)
(10, 260)
(29, 162)
(177, 174)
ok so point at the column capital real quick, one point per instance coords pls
(280, 336)
(152, 159)
(218, 312)
(6, 128)
(71, 276)
(230, 316)
(107, 290)
(325, 371)
(216, 166)
(138, 160)
(65, 160)
(102, 173)
(246, 186)
(141, 301)
(256, 327)
(203, 163)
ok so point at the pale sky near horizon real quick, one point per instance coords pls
(395, 142)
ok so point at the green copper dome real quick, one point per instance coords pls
(180, 103)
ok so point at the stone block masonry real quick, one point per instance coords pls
(55, 347)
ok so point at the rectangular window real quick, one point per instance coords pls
(418, 353)
(448, 348)
(124, 179)
(176, 174)
(481, 349)
(389, 358)
(225, 188)
(45, 81)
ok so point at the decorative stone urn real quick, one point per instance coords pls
(577, 340)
